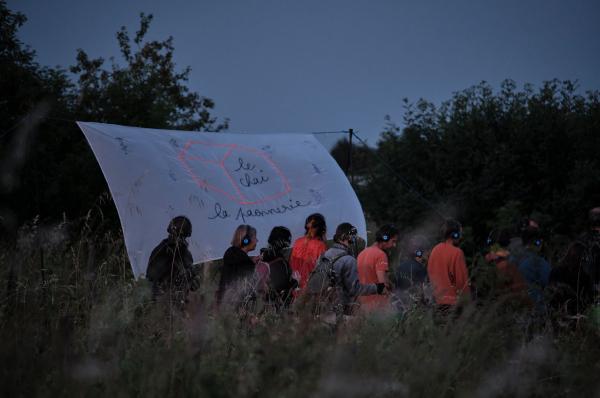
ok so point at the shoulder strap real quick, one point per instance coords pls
(333, 260)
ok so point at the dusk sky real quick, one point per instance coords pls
(329, 65)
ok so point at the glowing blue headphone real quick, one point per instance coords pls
(246, 239)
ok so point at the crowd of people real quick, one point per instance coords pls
(342, 280)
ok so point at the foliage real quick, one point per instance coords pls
(75, 323)
(146, 92)
(28, 93)
(355, 161)
(47, 166)
(481, 152)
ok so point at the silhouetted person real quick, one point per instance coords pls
(516, 246)
(279, 282)
(575, 283)
(412, 268)
(534, 268)
(509, 279)
(237, 273)
(570, 287)
(409, 276)
(170, 267)
(591, 256)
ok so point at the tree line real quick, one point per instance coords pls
(484, 156)
(487, 158)
(47, 167)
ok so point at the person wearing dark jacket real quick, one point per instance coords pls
(238, 267)
(278, 281)
(570, 288)
(410, 275)
(574, 285)
(412, 269)
(534, 268)
(590, 259)
(170, 264)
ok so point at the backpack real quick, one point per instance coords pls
(322, 276)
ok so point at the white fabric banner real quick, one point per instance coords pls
(218, 181)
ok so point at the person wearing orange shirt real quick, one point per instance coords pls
(373, 267)
(447, 268)
(307, 249)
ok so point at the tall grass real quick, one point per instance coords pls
(75, 323)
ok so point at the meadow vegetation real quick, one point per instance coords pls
(75, 322)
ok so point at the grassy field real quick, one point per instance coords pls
(75, 323)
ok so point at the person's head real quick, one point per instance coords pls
(531, 237)
(496, 245)
(418, 247)
(180, 227)
(280, 238)
(386, 236)
(594, 218)
(524, 223)
(451, 230)
(244, 238)
(315, 226)
(345, 234)
(498, 238)
(572, 258)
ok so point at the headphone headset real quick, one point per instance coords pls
(523, 223)
(246, 239)
(180, 226)
(489, 240)
(451, 229)
(352, 234)
(386, 233)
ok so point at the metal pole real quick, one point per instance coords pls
(349, 171)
